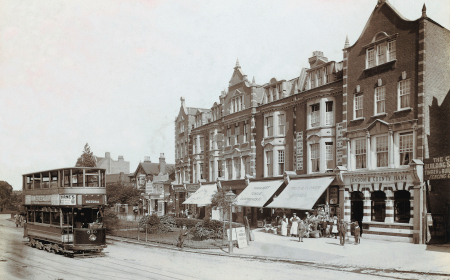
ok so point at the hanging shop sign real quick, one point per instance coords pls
(334, 195)
(437, 168)
(340, 146)
(299, 150)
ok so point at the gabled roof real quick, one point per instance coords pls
(379, 5)
(150, 168)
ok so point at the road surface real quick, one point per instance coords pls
(130, 261)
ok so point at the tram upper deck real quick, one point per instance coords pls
(87, 185)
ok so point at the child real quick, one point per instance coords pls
(334, 230)
(357, 232)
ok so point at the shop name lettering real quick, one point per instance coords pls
(92, 201)
(377, 179)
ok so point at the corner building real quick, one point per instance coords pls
(391, 75)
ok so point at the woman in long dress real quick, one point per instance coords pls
(334, 229)
(284, 224)
(294, 220)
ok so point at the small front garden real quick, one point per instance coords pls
(200, 234)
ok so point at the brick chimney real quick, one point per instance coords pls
(107, 155)
(147, 159)
(162, 164)
(120, 158)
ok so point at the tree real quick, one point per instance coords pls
(171, 172)
(87, 158)
(5, 195)
(122, 194)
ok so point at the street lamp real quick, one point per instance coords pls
(229, 197)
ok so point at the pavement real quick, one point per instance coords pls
(327, 252)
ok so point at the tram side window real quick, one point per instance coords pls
(45, 182)
(55, 218)
(92, 180)
(54, 180)
(37, 181)
(66, 178)
(38, 216)
(29, 182)
(46, 217)
(77, 180)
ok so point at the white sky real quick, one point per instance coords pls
(110, 73)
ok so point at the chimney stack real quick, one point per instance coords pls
(147, 159)
(162, 164)
(316, 56)
(107, 155)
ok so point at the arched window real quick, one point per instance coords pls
(402, 206)
(378, 206)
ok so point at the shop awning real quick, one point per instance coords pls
(301, 193)
(256, 194)
(203, 195)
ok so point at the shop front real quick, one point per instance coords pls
(255, 197)
(388, 203)
(200, 200)
(190, 210)
(179, 194)
(236, 186)
(306, 195)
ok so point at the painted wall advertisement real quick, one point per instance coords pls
(299, 150)
(339, 143)
(437, 168)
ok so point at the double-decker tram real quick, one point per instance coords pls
(64, 210)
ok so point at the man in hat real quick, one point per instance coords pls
(342, 231)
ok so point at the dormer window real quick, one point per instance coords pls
(381, 50)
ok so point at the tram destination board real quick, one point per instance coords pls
(437, 168)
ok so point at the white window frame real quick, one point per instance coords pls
(315, 115)
(360, 145)
(379, 149)
(391, 50)
(281, 162)
(237, 167)
(401, 136)
(370, 58)
(314, 155)
(358, 105)
(269, 126)
(404, 90)
(329, 156)
(281, 124)
(329, 115)
(380, 100)
(269, 163)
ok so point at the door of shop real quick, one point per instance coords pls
(357, 206)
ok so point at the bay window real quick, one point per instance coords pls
(269, 126)
(382, 150)
(315, 115)
(280, 162)
(329, 116)
(269, 163)
(247, 166)
(315, 157)
(360, 153)
(220, 168)
(211, 170)
(229, 169)
(201, 176)
(329, 155)
(406, 146)
(281, 124)
(237, 167)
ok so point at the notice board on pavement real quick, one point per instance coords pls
(241, 237)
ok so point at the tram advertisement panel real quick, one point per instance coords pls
(50, 199)
(67, 199)
(92, 199)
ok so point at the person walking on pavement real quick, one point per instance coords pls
(357, 233)
(284, 224)
(324, 227)
(294, 227)
(334, 229)
(342, 231)
(301, 230)
(360, 227)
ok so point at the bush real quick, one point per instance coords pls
(157, 224)
(189, 223)
(212, 228)
(110, 220)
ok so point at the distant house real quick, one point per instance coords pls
(113, 166)
(121, 177)
(154, 178)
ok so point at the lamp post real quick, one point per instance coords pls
(229, 197)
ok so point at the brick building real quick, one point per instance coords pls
(393, 74)
(355, 132)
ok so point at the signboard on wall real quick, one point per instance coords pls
(339, 143)
(92, 199)
(437, 168)
(299, 150)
